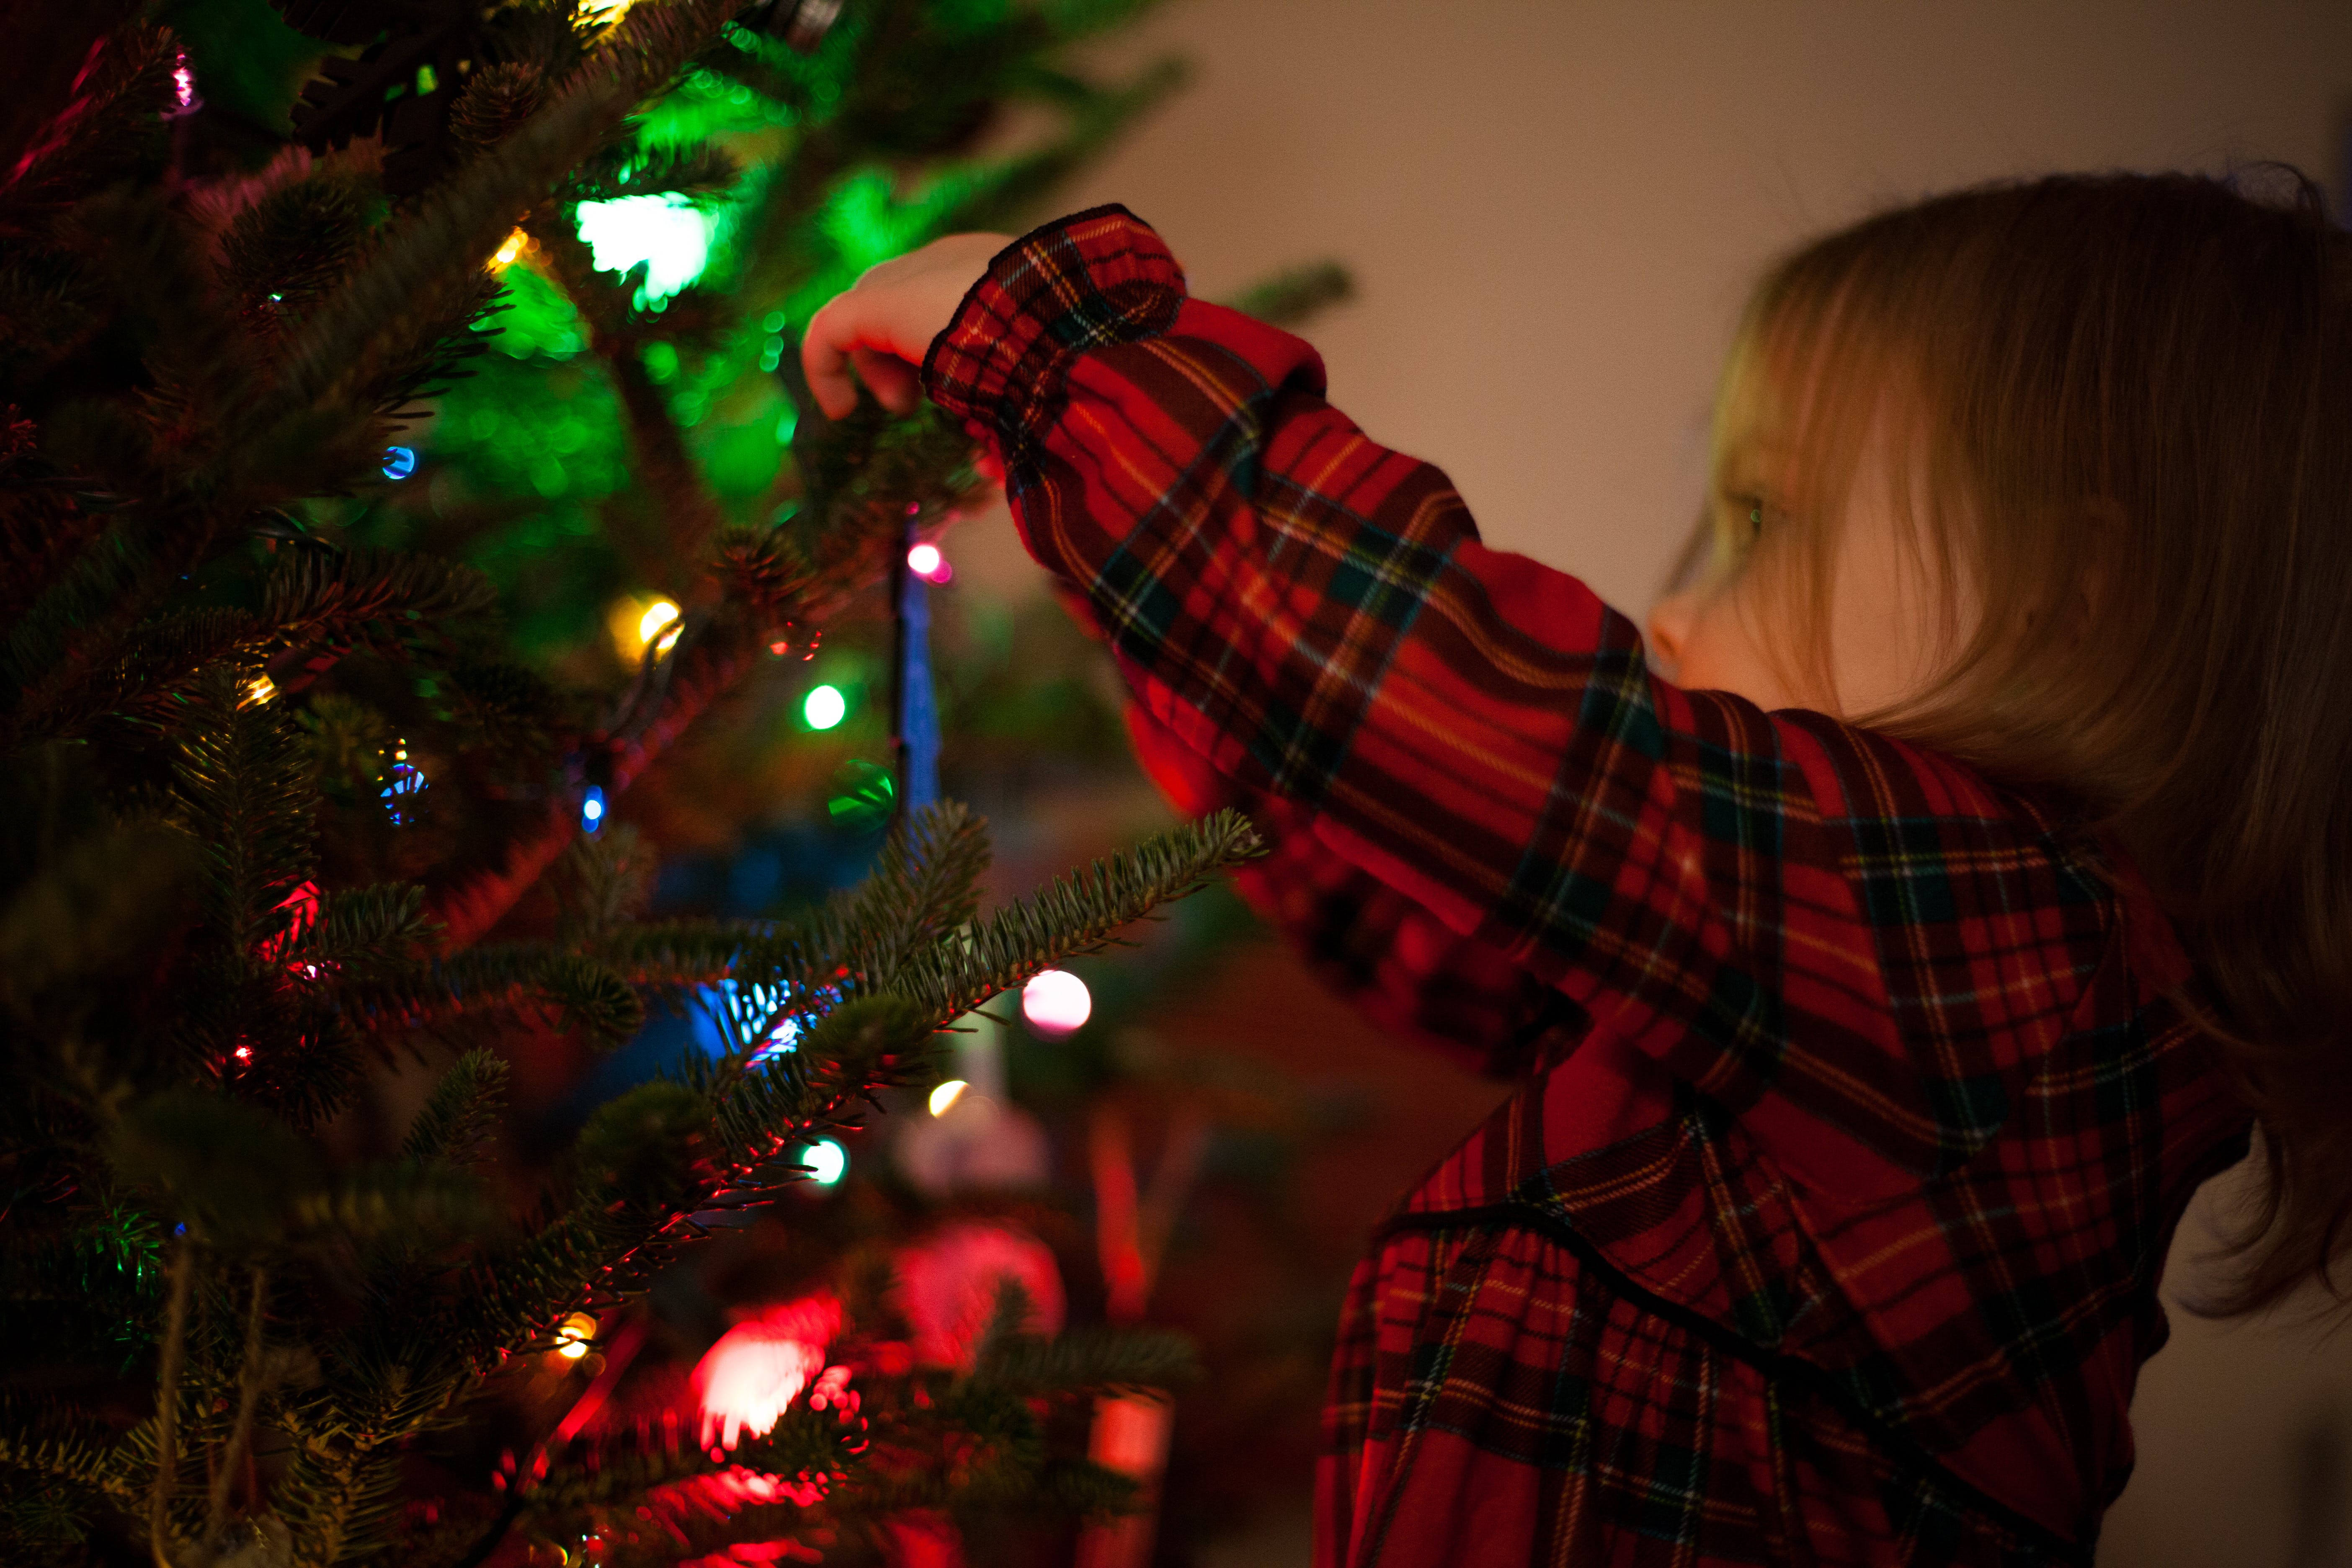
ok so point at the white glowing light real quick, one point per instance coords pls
(658, 613)
(947, 1094)
(923, 559)
(573, 1336)
(1056, 1002)
(825, 706)
(757, 1368)
(827, 1161)
(665, 233)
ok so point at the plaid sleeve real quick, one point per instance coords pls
(1856, 946)
(1398, 964)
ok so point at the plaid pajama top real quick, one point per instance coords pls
(1827, 1228)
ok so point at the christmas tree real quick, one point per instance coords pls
(306, 814)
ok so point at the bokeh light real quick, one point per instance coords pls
(926, 562)
(825, 706)
(663, 233)
(947, 1094)
(591, 809)
(573, 1336)
(1056, 1002)
(827, 1161)
(399, 462)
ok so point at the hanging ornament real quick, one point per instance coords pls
(801, 23)
(916, 709)
(949, 1284)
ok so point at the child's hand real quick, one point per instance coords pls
(884, 325)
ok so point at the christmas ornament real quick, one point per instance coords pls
(949, 1284)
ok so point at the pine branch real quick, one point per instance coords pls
(463, 221)
(461, 1112)
(1290, 298)
(1078, 913)
(243, 781)
(1077, 1360)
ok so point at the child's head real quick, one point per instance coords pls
(2057, 477)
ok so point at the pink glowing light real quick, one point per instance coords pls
(183, 84)
(1056, 1002)
(926, 562)
(759, 1366)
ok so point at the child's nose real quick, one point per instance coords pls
(1668, 631)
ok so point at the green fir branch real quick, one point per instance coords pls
(1079, 912)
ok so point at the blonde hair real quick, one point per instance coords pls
(2128, 401)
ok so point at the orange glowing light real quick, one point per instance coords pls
(759, 1366)
(572, 1337)
(512, 249)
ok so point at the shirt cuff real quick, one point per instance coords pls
(1096, 278)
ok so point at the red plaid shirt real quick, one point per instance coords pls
(1828, 1229)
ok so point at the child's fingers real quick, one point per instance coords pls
(825, 356)
(894, 382)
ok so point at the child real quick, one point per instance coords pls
(1892, 977)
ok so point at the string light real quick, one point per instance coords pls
(825, 706)
(827, 1161)
(665, 234)
(591, 809)
(260, 688)
(926, 562)
(947, 1094)
(399, 462)
(1056, 1002)
(510, 250)
(573, 1336)
(658, 613)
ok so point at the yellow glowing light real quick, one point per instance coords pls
(658, 613)
(638, 621)
(513, 246)
(260, 688)
(573, 1336)
(604, 12)
(947, 1094)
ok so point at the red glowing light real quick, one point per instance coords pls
(758, 1367)
(245, 1053)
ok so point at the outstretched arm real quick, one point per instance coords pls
(1817, 927)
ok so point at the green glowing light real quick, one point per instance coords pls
(825, 706)
(663, 233)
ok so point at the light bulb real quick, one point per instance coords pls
(1056, 1002)
(573, 1335)
(825, 706)
(947, 1094)
(658, 613)
(827, 1161)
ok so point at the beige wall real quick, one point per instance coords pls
(1553, 211)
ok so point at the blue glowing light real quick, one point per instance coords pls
(399, 462)
(403, 783)
(591, 809)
